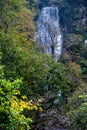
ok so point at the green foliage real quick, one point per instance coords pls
(33, 3)
(13, 18)
(78, 109)
(10, 54)
(17, 53)
(80, 120)
(57, 79)
(74, 74)
(23, 61)
(38, 71)
(77, 2)
(34, 70)
(12, 107)
(8, 90)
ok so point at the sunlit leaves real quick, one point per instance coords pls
(12, 107)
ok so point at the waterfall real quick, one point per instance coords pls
(49, 36)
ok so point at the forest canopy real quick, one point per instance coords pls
(34, 88)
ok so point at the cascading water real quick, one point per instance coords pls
(49, 36)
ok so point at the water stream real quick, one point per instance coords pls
(49, 36)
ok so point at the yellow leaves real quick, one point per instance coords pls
(28, 128)
(17, 93)
(14, 104)
(40, 100)
(40, 109)
(35, 108)
(24, 97)
(20, 105)
(23, 117)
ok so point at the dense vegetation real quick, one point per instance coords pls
(30, 81)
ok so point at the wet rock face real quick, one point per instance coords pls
(48, 35)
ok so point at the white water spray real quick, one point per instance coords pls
(49, 36)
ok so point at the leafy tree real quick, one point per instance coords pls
(78, 112)
(12, 107)
(23, 61)
(57, 79)
(74, 74)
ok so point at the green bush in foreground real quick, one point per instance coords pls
(11, 107)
